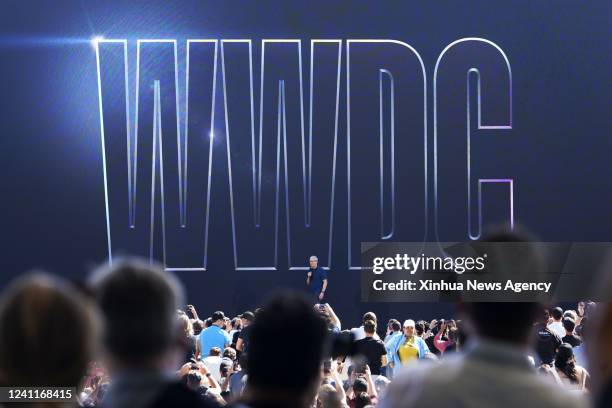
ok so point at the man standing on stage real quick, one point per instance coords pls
(316, 280)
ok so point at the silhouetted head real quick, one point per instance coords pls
(294, 315)
(138, 301)
(557, 313)
(47, 332)
(507, 321)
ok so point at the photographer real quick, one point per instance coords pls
(226, 370)
(191, 371)
(335, 396)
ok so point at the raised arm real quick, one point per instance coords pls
(212, 383)
(193, 312)
(338, 382)
(438, 342)
(334, 319)
(239, 344)
(371, 388)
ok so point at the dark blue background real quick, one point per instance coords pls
(52, 203)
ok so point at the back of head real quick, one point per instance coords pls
(362, 400)
(420, 328)
(360, 385)
(589, 308)
(229, 352)
(557, 313)
(328, 397)
(424, 324)
(564, 354)
(395, 325)
(46, 333)
(218, 316)
(185, 325)
(569, 324)
(293, 315)
(369, 326)
(564, 361)
(369, 316)
(506, 321)
(571, 314)
(198, 326)
(193, 379)
(503, 321)
(381, 384)
(138, 301)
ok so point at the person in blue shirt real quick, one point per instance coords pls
(316, 280)
(214, 336)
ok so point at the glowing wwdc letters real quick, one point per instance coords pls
(159, 115)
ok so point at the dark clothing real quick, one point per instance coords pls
(372, 350)
(314, 298)
(147, 389)
(235, 338)
(244, 335)
(547, 344)
(451, 348)
(191, 348)
(316, 280)
(178, 395)
(572, 339)
(262, 404)
(605, 399)
(432, 348)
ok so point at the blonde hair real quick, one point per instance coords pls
(185, 325)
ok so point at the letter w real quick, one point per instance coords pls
(278, 164)
(157, 174)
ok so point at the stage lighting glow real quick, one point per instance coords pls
(96, 39)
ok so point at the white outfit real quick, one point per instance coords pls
(557, 328)
(359, 333)
(213, 363)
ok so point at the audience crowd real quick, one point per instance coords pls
(125, 341)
